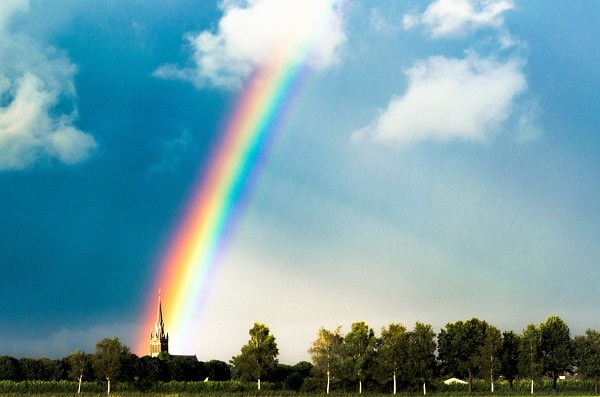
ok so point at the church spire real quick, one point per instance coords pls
(159, 340)
(159, 326)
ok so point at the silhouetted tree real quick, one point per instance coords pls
(30, 368)
(9, 368)
(218, 370)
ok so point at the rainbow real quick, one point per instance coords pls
(259, 114)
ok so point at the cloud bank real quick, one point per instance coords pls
(37, 101)
(450, 98)
(254, 32)
(468, 98)
(457, 17)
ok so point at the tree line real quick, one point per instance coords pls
(396, 359)
(411, 359)
(112, 360)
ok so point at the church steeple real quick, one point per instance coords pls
(159, 326)
(159, 340)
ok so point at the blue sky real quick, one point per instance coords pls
(441, 163)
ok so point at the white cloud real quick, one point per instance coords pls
(456, 17)
(450, 98)
(36, 101)
(255, 32)
(380, 23)
(8, 7)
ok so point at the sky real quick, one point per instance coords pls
(439, 161)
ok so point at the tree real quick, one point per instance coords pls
(132, 368)
(80, 366)
(421, 353)
(460, 348)
(108, 359)
(326, 353)
(509, 356)
(587, 353)
(259, 356)
(487, 358)
(557, 350)
(392, 352)
(9, 368)
(52, 369)
(358, 352)
(530, 354)
(41, 369)
(185, 369)
(154, 369)
(218, 370)
(292, 376)
(30, 369)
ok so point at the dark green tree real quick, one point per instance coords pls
(108, 359)
(530, 354)
(460, 348)
(326, 354)
(358, 353)
(392, 354)
(218, 370)
(258, 357)
(421, 354)
(300, 372)
(509, 356)
(185, 369)
(131, 368)
(30, 368)
(9, 368)
(557, 348)
(587, 356)
(292, 376)
(41, 369)
(154, 370)
(52, 370)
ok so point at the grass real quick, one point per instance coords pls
(571, 388)
(279, 393)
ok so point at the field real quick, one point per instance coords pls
(274, 394)
(248, 389)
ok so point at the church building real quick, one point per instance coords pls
(159, 340)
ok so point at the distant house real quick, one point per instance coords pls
(455, 381)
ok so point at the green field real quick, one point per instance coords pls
(242, 389)
(278, 394)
